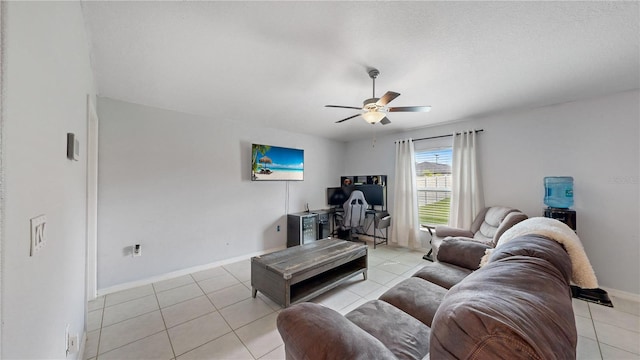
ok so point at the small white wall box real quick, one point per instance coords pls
(38, 238)
(73, 147)
(137, 250)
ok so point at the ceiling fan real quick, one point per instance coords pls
(374, 109)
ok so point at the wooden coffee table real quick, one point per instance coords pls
(303, 272)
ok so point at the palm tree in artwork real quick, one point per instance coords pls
(258, 149)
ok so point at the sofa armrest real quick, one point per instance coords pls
(444, 231)
(463, 252)
(311, 331)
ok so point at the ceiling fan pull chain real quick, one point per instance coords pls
(373, 141)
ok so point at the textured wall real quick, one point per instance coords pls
(47, 76)
(596, 141)
(180, 186)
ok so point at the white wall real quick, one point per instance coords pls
(595, 141)
(180, 186)
(47, 76)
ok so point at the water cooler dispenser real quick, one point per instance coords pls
(558, 196)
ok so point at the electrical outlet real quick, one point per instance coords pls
(73, 345)
(278, 228)
(137, 250)
(38, 234)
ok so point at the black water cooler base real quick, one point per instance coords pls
(597, 296)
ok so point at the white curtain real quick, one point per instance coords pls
(467, 198)
(405, 229)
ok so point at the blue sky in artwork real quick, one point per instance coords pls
(285, 158)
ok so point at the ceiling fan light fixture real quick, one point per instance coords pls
(373, 117)
(374, 110)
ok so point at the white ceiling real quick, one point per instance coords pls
(276, 64)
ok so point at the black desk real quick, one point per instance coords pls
(372, 218)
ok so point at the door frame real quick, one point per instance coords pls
(92, 201)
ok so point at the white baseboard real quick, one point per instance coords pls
(623, 294)
(175, 274)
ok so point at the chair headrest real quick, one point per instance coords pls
(357, 197)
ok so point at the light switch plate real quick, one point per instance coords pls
(38, 234)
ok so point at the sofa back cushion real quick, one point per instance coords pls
(490, 223)
(517, 306)
(496, 221)
(537, 246)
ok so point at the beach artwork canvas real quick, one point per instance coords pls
(276, 163)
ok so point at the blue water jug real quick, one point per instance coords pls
(558, 191)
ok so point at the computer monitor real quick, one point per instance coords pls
(374, 194)
(336, 196)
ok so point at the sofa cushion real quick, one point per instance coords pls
(462, 252)
(445, 275)
(518, 305)
(312, 331)
(495, 215)
(403, 335)
(417, 297)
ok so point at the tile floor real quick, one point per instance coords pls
(211, 315)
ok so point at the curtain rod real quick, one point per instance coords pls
(442, 136)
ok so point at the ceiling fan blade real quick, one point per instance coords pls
(385, 120)
(345, 119)
(410, 109)
(344, 107)
(387, 98)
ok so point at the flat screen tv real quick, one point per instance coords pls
(270, 163)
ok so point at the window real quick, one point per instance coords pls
(433, 176)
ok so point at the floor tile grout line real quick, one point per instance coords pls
(199, 346)
(135, 298)
(595, 331)
(384, 261)
(209, 278)
(129, 318)
(612, 323)
(133, 342)
(164, 322)
(247, 324)
(593, 323)
(175, 356)
(216, 309)
(195, 318)
(223, 318)
(609, 345)
(210, 301)
(100, 331)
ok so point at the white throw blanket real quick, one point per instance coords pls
(583, 274)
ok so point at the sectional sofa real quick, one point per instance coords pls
(518, 305)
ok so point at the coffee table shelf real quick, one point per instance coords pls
(312, 287)
(303, 272)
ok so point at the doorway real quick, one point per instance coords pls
(92, 200)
